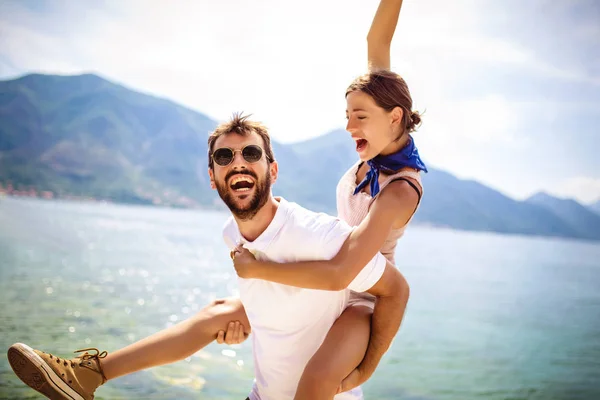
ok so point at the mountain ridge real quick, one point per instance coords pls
(83, 135)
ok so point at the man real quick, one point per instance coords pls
(288, 323)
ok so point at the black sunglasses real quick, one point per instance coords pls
(224, 156)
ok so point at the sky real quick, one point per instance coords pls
(510, 90)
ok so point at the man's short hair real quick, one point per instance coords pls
(241, 125)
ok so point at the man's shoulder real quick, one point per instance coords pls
(315, 223)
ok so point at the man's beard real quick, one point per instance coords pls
(262, 190)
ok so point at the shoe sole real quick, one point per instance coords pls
(38, 375)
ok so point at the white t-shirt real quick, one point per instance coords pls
(289, 323)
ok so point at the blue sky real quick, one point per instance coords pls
(511, 89)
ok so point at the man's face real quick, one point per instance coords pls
(243, 186)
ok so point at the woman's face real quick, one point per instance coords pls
(374, 129)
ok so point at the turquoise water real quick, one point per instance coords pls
(490, 316)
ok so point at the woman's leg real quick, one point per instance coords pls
(177, 342)
(341, 352)
(59, 378)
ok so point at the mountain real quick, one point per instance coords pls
(471, 205)
(88, 137)
(584, 222)
(325, 159)
(447, 200)
(595, 207)
(85, 136)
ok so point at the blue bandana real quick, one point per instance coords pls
(408, 156)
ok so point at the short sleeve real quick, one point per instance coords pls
(334, 237)
(369, 275)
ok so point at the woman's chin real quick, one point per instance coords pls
(365, 154)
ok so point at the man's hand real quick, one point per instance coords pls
(235, 334)
(356, 378)
(243, 262)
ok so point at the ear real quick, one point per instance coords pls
(211, 175)
(274, 169)
(397, 115)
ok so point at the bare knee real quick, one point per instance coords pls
(341, 352)
(320, 381)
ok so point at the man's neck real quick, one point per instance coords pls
(251, 229)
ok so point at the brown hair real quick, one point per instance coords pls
(240, 125)
(389, 90)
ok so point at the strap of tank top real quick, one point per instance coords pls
(408, 174)
(402, 174)
(411, 183)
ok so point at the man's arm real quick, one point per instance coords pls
(392, 292)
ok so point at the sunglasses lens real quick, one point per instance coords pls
(223, 156)
(252, 153)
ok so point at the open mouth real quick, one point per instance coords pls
(241, 184)
(361, 144)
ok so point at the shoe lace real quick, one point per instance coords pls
(97, 356)
(83, 357)
(88, 356)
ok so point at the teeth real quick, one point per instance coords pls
(241, 179)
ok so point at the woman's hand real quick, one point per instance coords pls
(244, 262)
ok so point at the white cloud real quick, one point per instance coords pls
(488, 119)
(287, 63)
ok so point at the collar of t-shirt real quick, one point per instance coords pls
(265, 239)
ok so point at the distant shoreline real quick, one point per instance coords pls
(222, 209)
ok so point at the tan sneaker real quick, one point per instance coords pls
(57, 378)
